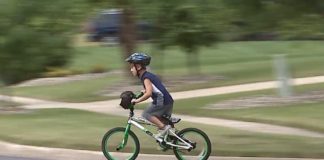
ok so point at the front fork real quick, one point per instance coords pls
(124, 142)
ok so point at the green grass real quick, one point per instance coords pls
(76, 129)
(238, 62)
(308, 116)
(88, 57)
(7, 104)
(79, 91)
(235, 60)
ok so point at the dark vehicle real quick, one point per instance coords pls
(105, 27)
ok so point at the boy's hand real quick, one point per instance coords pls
(134, 102)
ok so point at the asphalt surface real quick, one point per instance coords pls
(17, 158)
(9, 151)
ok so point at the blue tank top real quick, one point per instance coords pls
(160, 95)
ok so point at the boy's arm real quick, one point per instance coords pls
(148, 91)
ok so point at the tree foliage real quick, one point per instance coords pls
(184, 25)
(288, 19)
(35, 35)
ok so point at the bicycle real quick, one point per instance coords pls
(189, 143)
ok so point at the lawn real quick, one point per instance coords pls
(308, 115)
(235, 62)
(76, 129)
(248, 61)
(86, 58)
(78, 91)
(8, 104)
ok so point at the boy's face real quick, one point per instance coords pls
(133, 68)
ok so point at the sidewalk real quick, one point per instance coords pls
(243, 88)
(112, 107)
(207, 92)
(9, 149)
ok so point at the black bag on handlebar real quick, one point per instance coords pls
(126, 99)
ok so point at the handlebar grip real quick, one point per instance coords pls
(139, 95)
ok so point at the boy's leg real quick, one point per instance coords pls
(152, 111)
(152, 114)
(157, 122)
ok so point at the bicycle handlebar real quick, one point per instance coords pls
(139, 95)
(131, 108)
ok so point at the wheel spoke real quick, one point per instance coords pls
(112, 142)
(200, 142)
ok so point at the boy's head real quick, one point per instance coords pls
(138, 62)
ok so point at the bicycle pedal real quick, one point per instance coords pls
(162, 147)
(172, 137)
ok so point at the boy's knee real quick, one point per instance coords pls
(146, 115)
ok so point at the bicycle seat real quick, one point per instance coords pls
(173, 120)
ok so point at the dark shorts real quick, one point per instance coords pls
(155, 110)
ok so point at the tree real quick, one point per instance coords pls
(26, 53)
(127, 34)
(35, 36)
(128, 29)
(191, 34)
(162, 29)
(288, 19)
(184, 26)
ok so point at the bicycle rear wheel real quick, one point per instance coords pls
(198, 139)
(113, 139)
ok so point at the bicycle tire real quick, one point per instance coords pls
(109, 152)
(205, 153)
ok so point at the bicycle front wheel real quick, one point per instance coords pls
(198, 139)
(112, 141)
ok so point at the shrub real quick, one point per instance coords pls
(98, 69)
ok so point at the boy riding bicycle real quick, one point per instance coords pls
(186, 143)
(162, 100)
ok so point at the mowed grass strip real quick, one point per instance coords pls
(304, 115)
(232, 62)
(78, 91)
(66, 128)
(252, 61)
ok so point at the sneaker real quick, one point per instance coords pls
(161, 133)
(161, 147)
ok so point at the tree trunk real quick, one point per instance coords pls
(193, 63)
(197, 63)
(158, 59)
(127, 31)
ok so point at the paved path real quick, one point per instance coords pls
(243, 88)
(111, 107)
(42, 153)
(213, 91)
(17, 158)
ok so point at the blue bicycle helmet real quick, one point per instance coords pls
(139, 58)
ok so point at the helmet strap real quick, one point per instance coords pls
(137, 71)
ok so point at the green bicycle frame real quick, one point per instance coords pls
(125, 139)
(129, 123)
